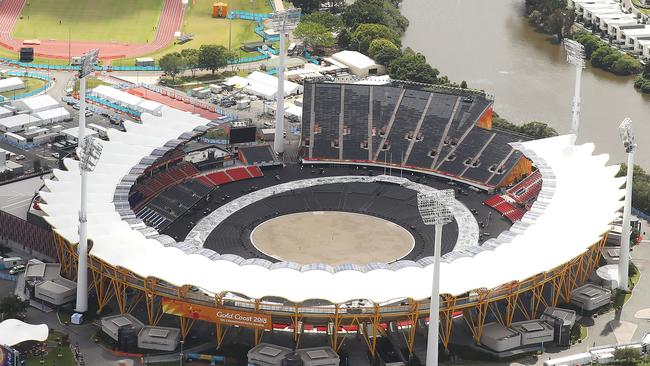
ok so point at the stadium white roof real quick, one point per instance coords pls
(14, 331)
(579, 199)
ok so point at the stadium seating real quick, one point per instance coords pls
(527, 189)
(226, 176)
(160, 180)
(414, 127)
(505, 208)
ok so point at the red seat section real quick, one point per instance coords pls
(254, 171)
(527, 189)
(238, 173)
(505, 208)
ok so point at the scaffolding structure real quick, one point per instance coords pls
(526, 298)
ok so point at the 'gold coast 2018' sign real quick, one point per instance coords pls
(217, 315)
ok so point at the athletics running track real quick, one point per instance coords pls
(170, 22)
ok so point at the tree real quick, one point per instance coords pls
(344, 38)
(213, 57)
(627, 356)
(314, 35)
(172, 64)
(307, 6)
(537, 130)
(626, 65)
(330, 21)
(413, 67)
(366, 33)
(191, 59)
(646, 71)
(640, 187)
(535, 18)
(12, 307)
(383, 51)
(376, 12)
(37, 165)
(364, 11)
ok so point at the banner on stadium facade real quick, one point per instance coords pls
(216, 314)
(8, 356)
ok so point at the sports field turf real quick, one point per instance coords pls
(130, 21)
(207, 30)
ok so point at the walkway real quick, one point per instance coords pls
(615, 327)
(170, 22)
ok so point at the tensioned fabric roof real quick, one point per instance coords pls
(579, 199)
(14, 331)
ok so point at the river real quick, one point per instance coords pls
(490, 45)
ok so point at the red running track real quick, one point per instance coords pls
(170, 22)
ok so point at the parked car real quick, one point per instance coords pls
(17, 269)
(20, 157)
(76, 106)
(56, 155)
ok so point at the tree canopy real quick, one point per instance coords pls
(172, 64)
(314, 35)
(12, 307)
(213, 57)
(376, 12)
(534, 129)
(640, 187)
(330, 21)
(413, 67)
(191, 58)
(383, 51)
(366, 33)
(604, 56)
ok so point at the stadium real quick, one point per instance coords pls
(333, 243)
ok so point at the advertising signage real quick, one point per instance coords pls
(217, 315)
(8, 356)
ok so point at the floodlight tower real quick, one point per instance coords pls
(434, 210)
(283, 21)
(627, 136)
(575, 55)
(87, 162)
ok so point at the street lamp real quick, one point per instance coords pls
(283, 21)
(575, 55)
(88, 152)
(434, 210)
(627, 136)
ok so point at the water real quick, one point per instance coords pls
(490, 45)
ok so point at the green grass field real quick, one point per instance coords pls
(207, 30)
(130, 21)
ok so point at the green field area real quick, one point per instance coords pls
(130, 21)
(207, 30)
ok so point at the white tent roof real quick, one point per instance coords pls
(40, 102)
(74, 132)
(117, 95)
(14, 331)
(150, 106)
(354, 59)
(52, 113)
(11, 84)
(272, 81)
(564, 221)
(18, 120)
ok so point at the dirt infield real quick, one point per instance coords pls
(170, 22)
(333, 238)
